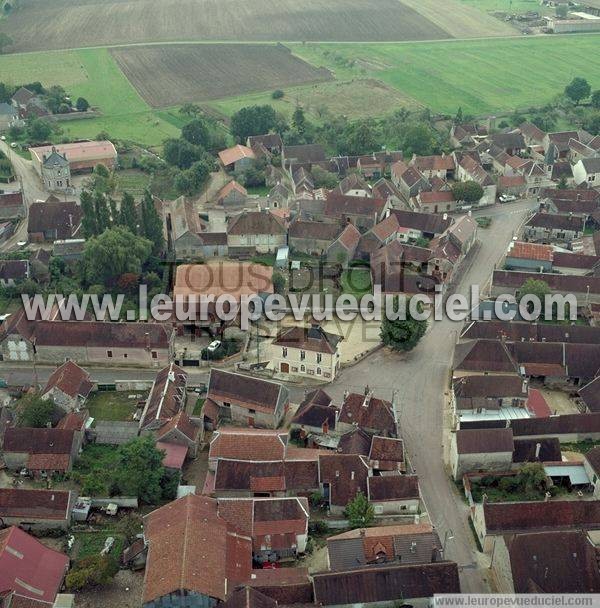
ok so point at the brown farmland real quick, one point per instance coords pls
(59, 24)
(167, 75)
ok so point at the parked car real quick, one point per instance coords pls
(507, 198)
(213, 346)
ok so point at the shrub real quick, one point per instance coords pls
(277, 94)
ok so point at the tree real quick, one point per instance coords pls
(596, 99)
(359, 511)
(181, 153)
(253, 120)
(197, 133)
(578, 90)
(470, 192)
(139, 470)
(102, 212)
(359, 138)
(277, 94)
(5, 40)
(458, 119)
(562, 11)
(418, 139)
(89, 222)
(323, 178)
(532, 476)
(35, 412)
(537, 288)
(113, 253)
(82, 104)
(91, 571)
(402, 335)
(190, 109)
(592, 123)
(128, 216)
(130, 526)
(299, 120)
(39, 130)
(562, 183)
(152, 226)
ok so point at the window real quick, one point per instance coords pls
(302, 355)
(124, 355)
(154, 354)
(318, 371)
(284, 352)
(109, 354)
(319, 357)
(302, 368)
(252, 411)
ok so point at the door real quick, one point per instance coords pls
(285, 368)
(250, 420)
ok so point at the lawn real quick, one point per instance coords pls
(198, 406)
(91, 543)
(112, 405)
(481, 76)
(356, 281)
(93, 74)
(509, 6)
(132, 181)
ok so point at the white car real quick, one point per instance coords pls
(507, 198)
(3, 137)
(213, 346)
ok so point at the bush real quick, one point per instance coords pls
(277, 94)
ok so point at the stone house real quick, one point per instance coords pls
(303, 351)
(56, 172)
(587, 172)
(548, 227)
(37, 510)
(259, 230)
(312, 238)
(68, 387)
(363, 212)
(373, 415)
(246, 400)
(474, 450)
(394, 494)
(343, 249)
(14, 271)
(11, 205)
(100, 342)
(238, 158)
(232, 194)
(53, 220)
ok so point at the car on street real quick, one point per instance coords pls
(507, 198)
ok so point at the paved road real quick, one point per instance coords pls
(33, 190)
(421, 379)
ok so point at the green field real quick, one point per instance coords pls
(509, 6)
(93, 74)
(481, 76)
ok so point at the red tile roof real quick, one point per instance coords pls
(393, 487)
(234, 154)
(537, 404)
(387, 449)
(38, 441)
(312, 338)
(29, 568)
(248, 444)
(182, 423)
(35, 504)
(531, 251)
(346, 475)
(191, 526)
(484, 441)
(368, 412)
(174, 454)
(70, 379)
(167, 396)
(48, 462)
(537, 516)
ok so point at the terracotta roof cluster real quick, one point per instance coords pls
(191, 526)
(340, 205)
(284, 585)
(346, 475)
(554, 221)
(387, 449)
(369, 412)
(71, 380)
(318, 231)
(356, 441)
(428, 223)
(316, 410)
(279, 519)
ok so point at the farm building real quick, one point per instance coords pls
(82, 155)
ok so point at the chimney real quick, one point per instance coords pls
(445, 216)
(538, 447)
(147, 338)
(362, 532)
